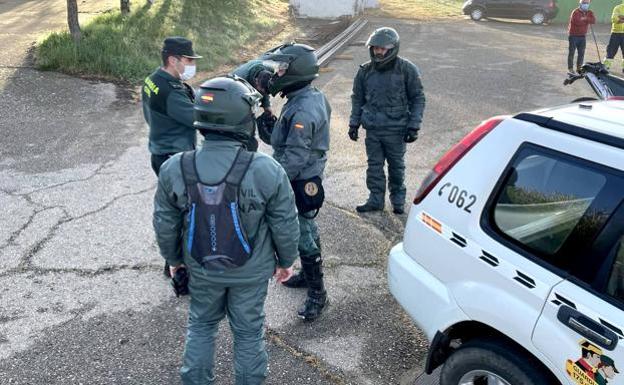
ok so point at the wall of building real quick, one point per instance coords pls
(329, 9)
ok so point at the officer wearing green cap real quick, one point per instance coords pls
(300, 141)
(388, 101)
(264, 219)
(168, 102)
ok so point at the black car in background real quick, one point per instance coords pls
(538, 11)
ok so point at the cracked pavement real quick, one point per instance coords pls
(82, 300)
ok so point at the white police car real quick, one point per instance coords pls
(512, 261)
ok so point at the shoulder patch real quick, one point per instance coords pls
(299, 126)
(150, 87)
(176, 85)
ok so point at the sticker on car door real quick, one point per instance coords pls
(593, 367)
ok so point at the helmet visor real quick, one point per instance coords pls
(387, 46)
(276, 66)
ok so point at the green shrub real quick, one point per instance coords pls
(128, 47)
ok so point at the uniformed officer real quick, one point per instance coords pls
(168, 102)
(258, 75)
(300, 141)
(224, 115)
(388, 101)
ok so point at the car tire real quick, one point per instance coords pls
(476, 360)
(538, 18)
(477, 13)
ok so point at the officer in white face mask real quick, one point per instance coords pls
(168, 103)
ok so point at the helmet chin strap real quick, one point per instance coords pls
(294, 87)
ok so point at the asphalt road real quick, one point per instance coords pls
(82, 300)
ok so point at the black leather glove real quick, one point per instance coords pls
(353, 133)
(180, 282)
(411, 135)
(265, 124)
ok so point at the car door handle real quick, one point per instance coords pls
(587, 327)
(576, 325)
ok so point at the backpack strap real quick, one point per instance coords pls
(189, 168)
(239, 167)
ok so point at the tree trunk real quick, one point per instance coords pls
(72, 20)
(125, 7)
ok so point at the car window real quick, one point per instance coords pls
(615, 287)
(544, 199)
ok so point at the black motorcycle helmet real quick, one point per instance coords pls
(383, 37)
(227, 105)
(299, 62)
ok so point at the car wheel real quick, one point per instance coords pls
(477, 14)
(491, 363)
(538, 18)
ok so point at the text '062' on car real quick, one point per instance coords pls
(512, 261)
(537, 11)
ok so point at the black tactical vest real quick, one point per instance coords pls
(216, 238)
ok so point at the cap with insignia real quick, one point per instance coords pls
(180, 46)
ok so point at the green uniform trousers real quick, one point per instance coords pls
(244, 307)
(308, 237)
(380, 148)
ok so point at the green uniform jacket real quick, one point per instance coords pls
(267, 207)
(300, 138)
(391, 99)
(249, 71)
(168, 110)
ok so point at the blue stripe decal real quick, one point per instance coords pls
(189, 243)
(238, 229)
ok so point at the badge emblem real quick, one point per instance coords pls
(311, 189)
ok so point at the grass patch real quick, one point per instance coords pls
(128, 47)
(418, 9)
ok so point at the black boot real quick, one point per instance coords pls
(317, 296)
(367, 207)
(296, 281)
(398, 210)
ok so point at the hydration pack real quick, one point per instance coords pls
(216, 237)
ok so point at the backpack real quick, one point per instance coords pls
(216, 237)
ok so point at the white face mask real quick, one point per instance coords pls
(189, 72)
